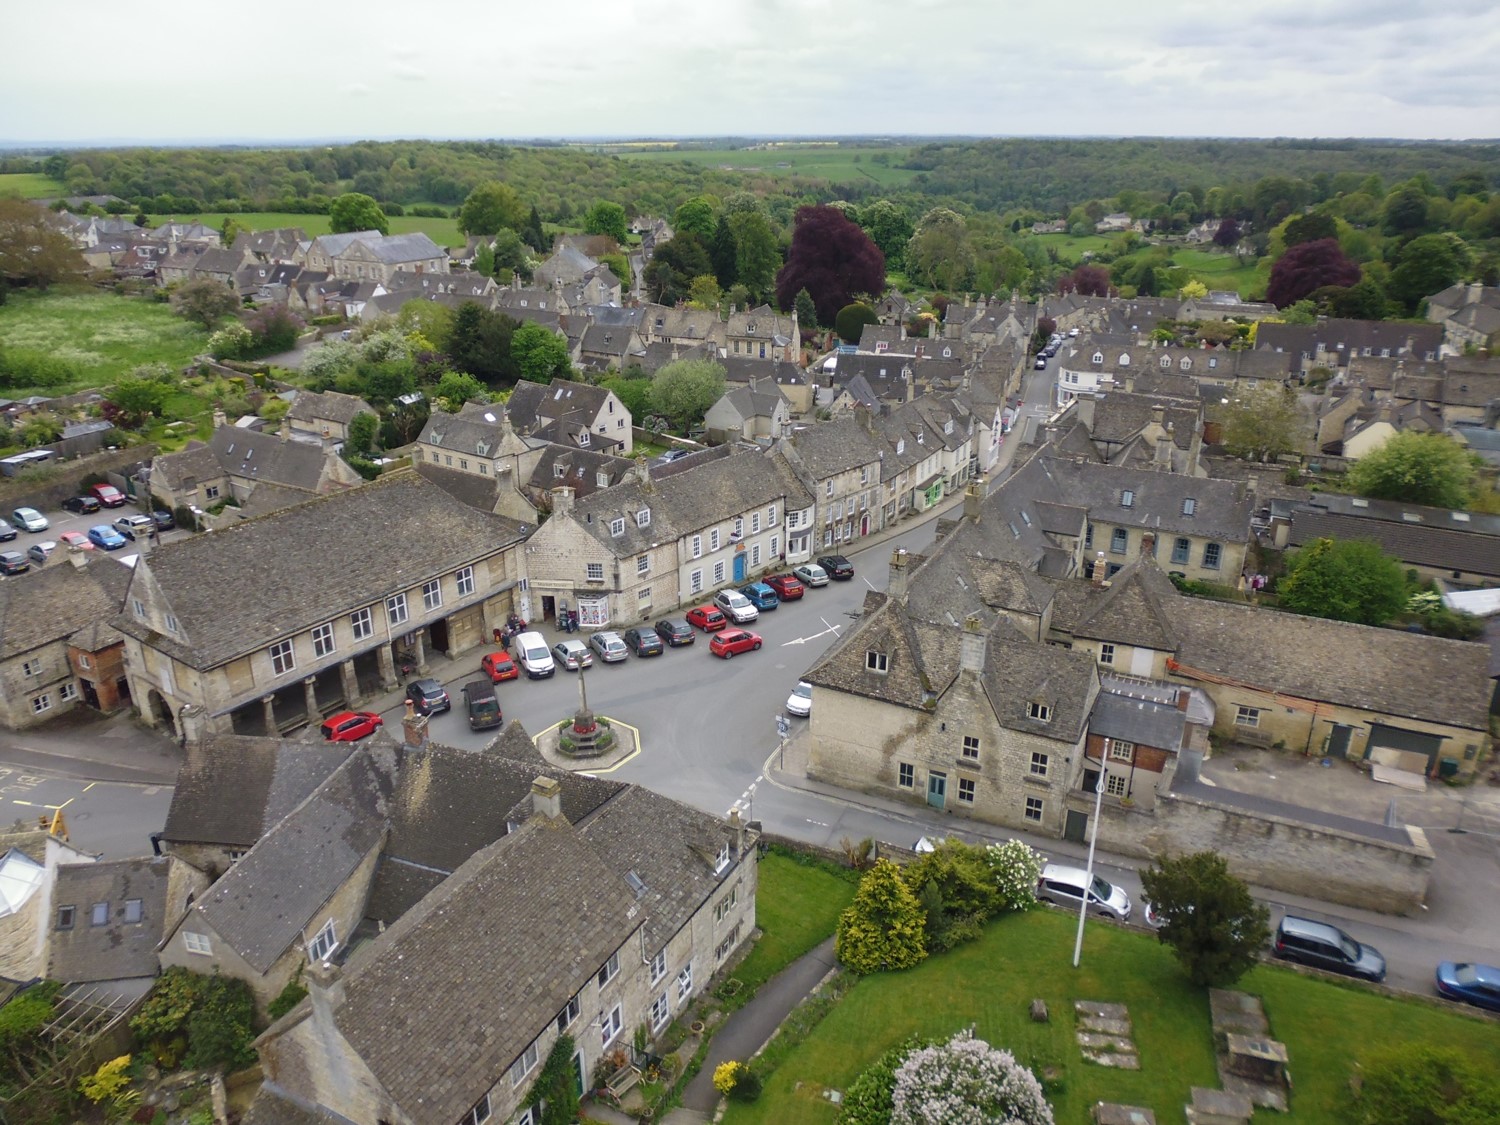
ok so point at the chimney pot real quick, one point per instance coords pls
(973, 500)
(1100, 571)
(546, 798)
(896, 586)
(414, 726)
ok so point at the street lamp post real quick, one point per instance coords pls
(1088, 871)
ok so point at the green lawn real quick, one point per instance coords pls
(797, 906)
(103, 335)
(839, 163)
(991, 982)
(442, 231)
(1219, 270)
(30, 185)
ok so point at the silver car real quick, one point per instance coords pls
(572, 655)
(609, 646)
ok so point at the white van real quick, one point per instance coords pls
(532, 655)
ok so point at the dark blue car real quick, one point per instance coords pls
(760, 595)
(1472, 984)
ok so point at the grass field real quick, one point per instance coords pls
(29, 185)
(991, 982)
(835, 163)
(796, 908)
(1214, 268)
(442, 231)
(104, 335)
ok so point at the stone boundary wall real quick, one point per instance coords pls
(54, 483)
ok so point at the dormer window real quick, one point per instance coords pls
(721, 861)
(643, 518)
(1124, 359)
(617, 527)
(1166, 361)
(947, 353)
(900, 446)
(876, 661)
(920, 435)
(1098, 357)
(948, 426)
(601, 479)
(583, 438)
(1127, 498)
(559, 471)
(1187, 364)
(1039, 711)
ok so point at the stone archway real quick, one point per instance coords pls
(159, 711)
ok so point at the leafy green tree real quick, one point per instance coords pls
(606, 218)
(883, 929)
(1262, 424)
(532, 233)
(683, 390)
(723, 252)
(890, 228)
(1419, 1083)
(540, 354)
(704, 292)
(510, 253)
(756, 255)
(851, 320)
(699, 215)
(484, 259)
(634, 394)
(364, 427)
(427, 320)
(807, 312)
(964, 885)
(1417, 468)
(1344, 580)
(135, 400)
(39, 429)
(1214, 926)
(1308, 228)
(480, 343)
(674, 265)
(356, 211)
(1427, 265)
(458, 387)
(490, 208)
(205, 301)
(1405, 210)
(32, 250)
(940, 253)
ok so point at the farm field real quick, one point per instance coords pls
(837, 164)
(103, 335)
(29, 185)
(991, 982)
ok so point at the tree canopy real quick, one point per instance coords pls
(540, 354)
(1262, 424)
(1309, 266)
(683, 390)
(885, 927)
(205, 301)
(1417, 468)
(356, 211)
(608, 219)
(1208, 917)
(32, 250)
(833, 259)
(1344, 580)
(490, 208)
(851, 320)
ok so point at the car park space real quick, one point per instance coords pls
(43, 536)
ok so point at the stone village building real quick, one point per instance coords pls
(275, 622)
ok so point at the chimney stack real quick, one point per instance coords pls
(896, 585)
(562, 500)
(972, 651)
(737, 822)
(413, 727)
(220, 419)
(972, 500)
(325, 989)
(546, 798)
(1148, 544)
(1100, 571)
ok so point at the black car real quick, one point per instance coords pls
(643, 641)
(13, 562)
(837, 566)
(164, 520)
(80, 505)
(675, 633)
(429, 697)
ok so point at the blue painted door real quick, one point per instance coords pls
(739, 567)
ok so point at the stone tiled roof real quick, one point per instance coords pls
(481, 965)
(530, 403)
(234, 788)
(1342, 338)
(1018, 672)
(235, 590)
(248, 454)
(1119, 416)
(260, 906)
(332, 406)
(118, 950)
(1135, 608)
(1384, 671)
(828, 448)
(275, 1106)
(59, 600)
(1222, 508)
(579, 469)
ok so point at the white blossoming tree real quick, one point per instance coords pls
(965, 1081)
(1016, 867)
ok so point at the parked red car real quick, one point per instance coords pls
(108, 495)
(707, 618)
(499, 666)
(786, 586)
(348, 726)
(731, 641)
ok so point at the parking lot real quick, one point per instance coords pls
(60, 521)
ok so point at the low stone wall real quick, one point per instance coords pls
(1281, 853)
(48, 487)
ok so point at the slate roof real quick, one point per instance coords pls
(450, 804)
(118, 950)
(333, 406)
(1432, 538)
(1119, 417)
(260, 906)
(481, 964)
(1343, 338)
(579, 469)
(1222, 509)
(394, 249)
(233, 789)
(248, 454)
(530, 404)
(235, 590)
(1018, 672)
(57, 601)
(1384, 671)
(1142, 721)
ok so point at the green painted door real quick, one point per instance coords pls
(937, 789)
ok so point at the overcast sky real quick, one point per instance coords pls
(163, 70)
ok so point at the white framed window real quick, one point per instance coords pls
(197, 943)
(697, 546)
(594, 572)
(971, 748)
(966, 790)
(906, 775)
(755, 554)
(617, 526)
(685, 982)
(68, 692)
(1120, 750)
(754, 523)
(1212, 554)
(283, 659)
(610, 970)
(829, 490)
(721, 861)
(1034, 808)
(661, 1011)
(725, 947)
(322, 638)
(84, 662)
(432, 594)
(658, 966)
(395, 608)
(1115, 784)
(479, 1114)
(739, 527)
(566, 1017)
(609, 1026)
(876, 661)
(1106, 653)
(138, 607)
(775, 546)
(1038, 764)
(523, 1066)
(718, 573)
(713, 539)
(211, 492)
(771, 516)
(643, 564)
(1039, 711)
(695, 582)
(171, 624)
(31, 667)
(362, 621)
(322, 946)
(643, 518)
(465, 580)
(1247, 716)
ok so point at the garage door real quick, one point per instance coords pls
(1412, 750)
